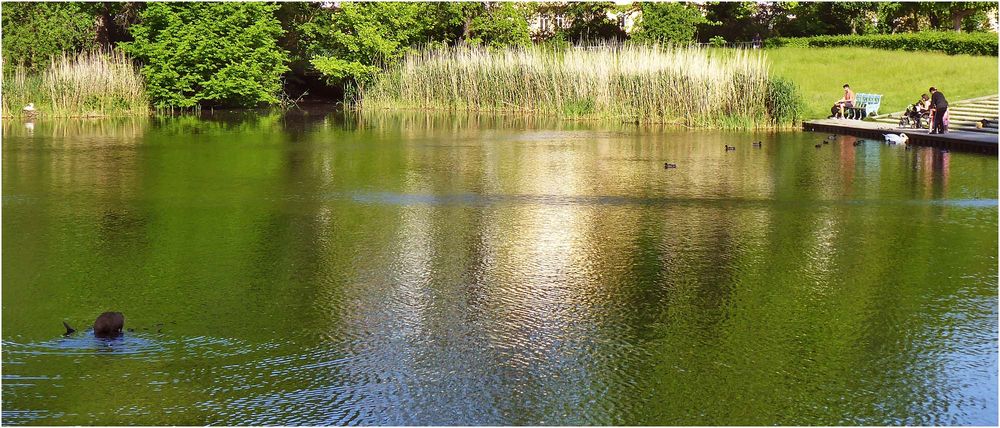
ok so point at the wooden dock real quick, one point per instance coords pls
(979, 142)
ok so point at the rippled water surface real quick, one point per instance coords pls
(321, 269)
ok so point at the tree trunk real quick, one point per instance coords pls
(102, 24)
(957, 16)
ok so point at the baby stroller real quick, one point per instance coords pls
(915, 118)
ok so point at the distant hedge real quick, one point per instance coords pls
(938, 41)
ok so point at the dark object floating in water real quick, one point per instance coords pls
(669, 165)
(857, 143)
(832, 137)
(826, 141)
(69, 330)
(758, 144)
(819, 145)
(109, 324)
(728, 147)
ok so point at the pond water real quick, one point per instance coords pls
(320, 268)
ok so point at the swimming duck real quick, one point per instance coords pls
(758, 144)
(819, 145)
(857, 143)
(728, 147)
(669, 165)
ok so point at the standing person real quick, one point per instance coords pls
(939, 106)
(843, 103)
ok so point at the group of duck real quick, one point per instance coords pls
(756, 145)
(889, 138)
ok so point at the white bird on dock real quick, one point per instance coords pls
(896, 139)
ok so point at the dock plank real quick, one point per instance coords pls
(980, 142)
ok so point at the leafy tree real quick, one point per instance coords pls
(669, 23)
(209, 53)
(589, 22)
(499, 25)
(33, 31)
(353, 41)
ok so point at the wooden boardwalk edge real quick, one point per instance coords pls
(968, 141)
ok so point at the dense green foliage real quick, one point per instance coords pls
(250, 54)
(783, 101)
(358, 39)
(500, 26)
(209, 53)
(354, 41)
(587, 21)
(741, 21)
(669, 23)
(35, 32)
(899, 76)
(933, 41)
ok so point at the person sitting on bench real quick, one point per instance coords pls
(843, 104)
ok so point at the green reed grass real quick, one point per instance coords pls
(633, 83)
(87, 84)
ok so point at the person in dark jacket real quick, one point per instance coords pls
(939, 106)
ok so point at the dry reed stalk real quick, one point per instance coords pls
(644, 83)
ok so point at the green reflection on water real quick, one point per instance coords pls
(317, 268)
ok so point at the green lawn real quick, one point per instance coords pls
(899, 76)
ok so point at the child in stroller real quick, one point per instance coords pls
(917, 114)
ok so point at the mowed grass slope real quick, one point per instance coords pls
(899, 76)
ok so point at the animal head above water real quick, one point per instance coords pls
(109, 324)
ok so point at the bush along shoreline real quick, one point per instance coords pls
(686, 86)
(87, 84)
(933, 41)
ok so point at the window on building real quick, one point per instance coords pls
(543, 23)
(560, 21)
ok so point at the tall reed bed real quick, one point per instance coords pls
(635, 83)
(86, 84)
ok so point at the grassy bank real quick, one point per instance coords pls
(688, 86)
(898, 75)
(88, 84)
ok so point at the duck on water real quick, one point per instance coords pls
(107, 325)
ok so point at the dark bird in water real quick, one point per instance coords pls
(832, 137)
(69, 330)
(857, 143)
(819, 145)
(109, 324)
(728, 147)
(826, 141)
(758, 144)
(669, 165)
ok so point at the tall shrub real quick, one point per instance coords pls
(669, 23)
(928, 41)
(210, 53)
(33, 32)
